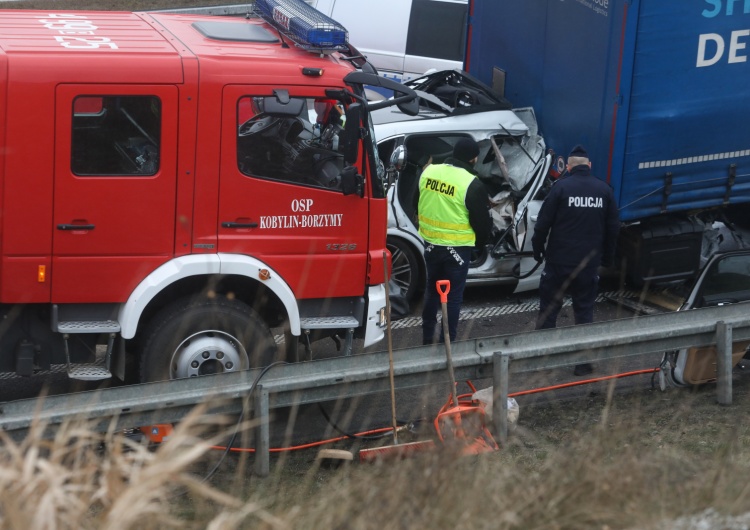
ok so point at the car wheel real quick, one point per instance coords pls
(198, 337)
(478, 257)
(405, 269)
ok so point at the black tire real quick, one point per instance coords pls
(478, 256)
(405, 269)
(198, 337)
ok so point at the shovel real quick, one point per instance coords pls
(460, 424)
(443, 288)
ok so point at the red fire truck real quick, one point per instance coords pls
(168, 198)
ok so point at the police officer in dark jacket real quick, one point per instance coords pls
(580, 217)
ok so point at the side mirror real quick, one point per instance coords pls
(350, 139)
(396, 164)
(351, 182)
(410, 108)
(404, 97)
(398, 158)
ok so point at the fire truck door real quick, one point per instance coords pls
(280, 197)
(115, 185)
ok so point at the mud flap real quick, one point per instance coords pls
(399, 304)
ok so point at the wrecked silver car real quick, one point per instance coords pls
(513, 164)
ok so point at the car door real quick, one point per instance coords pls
(279, 197)
(725, 279)
(115, 186)
(421, 150)
(525, 221)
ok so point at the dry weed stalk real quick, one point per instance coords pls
(80, 478)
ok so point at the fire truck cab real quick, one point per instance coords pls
(175, 187)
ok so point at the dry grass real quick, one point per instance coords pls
(605, 463)
(80, 479)
(608, 461)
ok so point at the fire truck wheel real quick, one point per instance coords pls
(406, 272)
(193, 338)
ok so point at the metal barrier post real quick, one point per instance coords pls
(500, 368)
(263, 438)
(723, 363)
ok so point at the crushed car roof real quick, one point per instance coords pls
(451, 101)
(456, 92)
(390, 122)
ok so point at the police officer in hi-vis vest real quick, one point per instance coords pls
(580, 217)
(453, 208)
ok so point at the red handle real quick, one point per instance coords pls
(440, 284)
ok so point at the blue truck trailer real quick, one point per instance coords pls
(659, 93)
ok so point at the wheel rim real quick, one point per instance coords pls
(400, 268)
(208, 352)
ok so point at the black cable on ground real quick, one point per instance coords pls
(239, 421)
(228, 447)
(359, 436)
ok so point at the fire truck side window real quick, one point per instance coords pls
(116, 135)
(302, 149)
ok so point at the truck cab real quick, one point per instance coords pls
(166, 196)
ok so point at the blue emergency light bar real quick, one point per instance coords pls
(306, 26)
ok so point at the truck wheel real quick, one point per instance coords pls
(405, 270)
(192, 338)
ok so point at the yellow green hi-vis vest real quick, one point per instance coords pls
(443, 218)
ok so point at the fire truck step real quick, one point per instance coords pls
(89, 326)
(329, 322)
(88, 372)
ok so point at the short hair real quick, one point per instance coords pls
(466, 149)
(574, 161)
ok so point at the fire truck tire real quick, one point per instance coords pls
(406, 272)
(199, 337)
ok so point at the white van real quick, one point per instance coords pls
(403, 39)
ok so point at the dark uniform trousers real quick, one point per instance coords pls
(556, 281)
(444, 263)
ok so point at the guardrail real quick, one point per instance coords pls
(346, 377)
